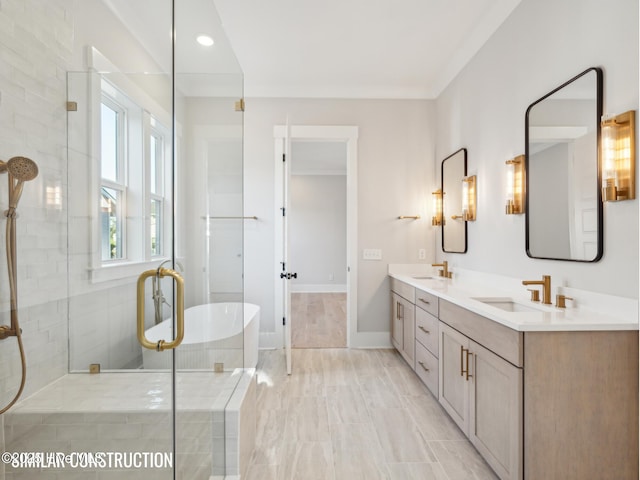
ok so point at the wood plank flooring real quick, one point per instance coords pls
(319, 320)
(347, 414)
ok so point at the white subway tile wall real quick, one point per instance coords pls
(36, 51)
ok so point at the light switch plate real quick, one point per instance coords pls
(372, 254)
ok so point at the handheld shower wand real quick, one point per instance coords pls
(19, 170)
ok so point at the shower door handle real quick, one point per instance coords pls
(161, 345)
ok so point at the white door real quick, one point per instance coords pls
(286, 273)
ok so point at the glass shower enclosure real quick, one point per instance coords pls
(156, 313)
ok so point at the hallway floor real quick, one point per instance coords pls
(319, 320)
(354, 414)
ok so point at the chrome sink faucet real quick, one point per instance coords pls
(445, 269)
(546, 287)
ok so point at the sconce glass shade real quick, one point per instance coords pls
(469, 198)
(618, 157)
(515, 186)
(437, 219)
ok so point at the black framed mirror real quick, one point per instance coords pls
(562, 160)
(454, 227)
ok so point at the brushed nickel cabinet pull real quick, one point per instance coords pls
(424, 301)
(423, 366)
(423, 329)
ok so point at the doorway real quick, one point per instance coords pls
(289, 142)
(318, 243)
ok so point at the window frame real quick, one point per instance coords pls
(142, 117)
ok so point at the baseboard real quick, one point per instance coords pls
(329, 288)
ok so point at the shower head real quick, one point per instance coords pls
(23, 169)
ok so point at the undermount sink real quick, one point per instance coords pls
(507, 304)
(422, 277)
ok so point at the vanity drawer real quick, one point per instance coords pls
(427, 301)
(427, 368)
(405, 290)
(427, 330)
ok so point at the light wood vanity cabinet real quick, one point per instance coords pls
(542, 405)
(552, 405)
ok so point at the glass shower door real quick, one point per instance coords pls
(155, 189)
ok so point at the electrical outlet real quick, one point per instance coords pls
(422, 254)
(372, 254)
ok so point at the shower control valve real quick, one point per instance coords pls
(6, 331)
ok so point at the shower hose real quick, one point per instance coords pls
(11, 260)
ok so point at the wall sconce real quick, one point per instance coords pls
(469, 198)
(619, 157)
(437, 219)
(515, 186)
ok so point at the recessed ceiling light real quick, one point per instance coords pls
(205, 40)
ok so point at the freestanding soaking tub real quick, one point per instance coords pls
(216, 336)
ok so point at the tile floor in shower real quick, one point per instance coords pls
(354, 414)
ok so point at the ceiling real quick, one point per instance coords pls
(357, 48)
(319, 49)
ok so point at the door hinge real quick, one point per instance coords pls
(284, 157)
(283, 211)
(239, 105)
(72, 106)
(284, 321)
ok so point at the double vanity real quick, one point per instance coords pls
(542, 392)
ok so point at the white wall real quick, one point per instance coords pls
(318, 232)
(540, 46)
(395, 177)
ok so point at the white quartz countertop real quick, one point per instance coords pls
(541, 318)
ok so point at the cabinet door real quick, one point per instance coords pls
(495, 412)
(408, 314)
(453, 391)
(396, 322)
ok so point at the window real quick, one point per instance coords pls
(112, 185)
(133, 207)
